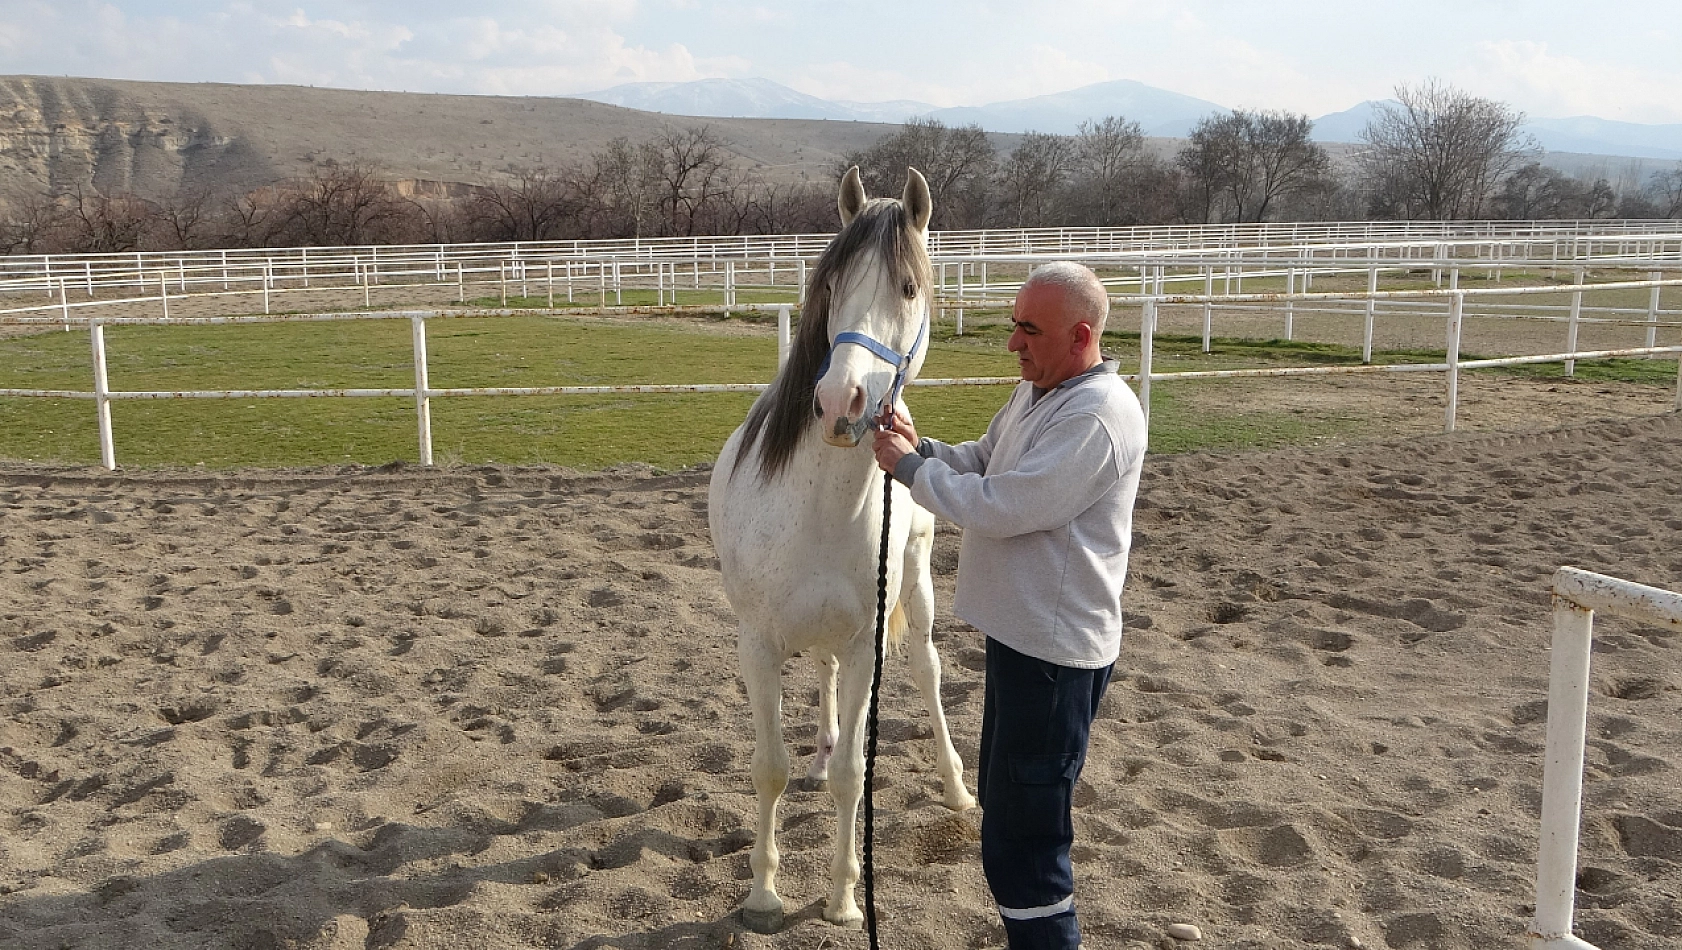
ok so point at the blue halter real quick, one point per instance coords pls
(883, 352)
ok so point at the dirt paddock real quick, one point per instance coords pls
(497, 707)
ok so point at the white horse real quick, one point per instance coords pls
(797, 524)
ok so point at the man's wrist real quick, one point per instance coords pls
(905, 470)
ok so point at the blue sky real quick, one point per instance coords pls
(1613, 58)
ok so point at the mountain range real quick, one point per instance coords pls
(1159, 112)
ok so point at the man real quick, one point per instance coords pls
(1045, 499)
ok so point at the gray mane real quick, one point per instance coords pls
(782, 415)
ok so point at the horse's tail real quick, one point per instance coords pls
(897, 625)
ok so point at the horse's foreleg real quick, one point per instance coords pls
(925, 672)
(846, 783)
(827, 728)
(762, 675)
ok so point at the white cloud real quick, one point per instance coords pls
(521, 49)
(1301, 55)
(1548, 84)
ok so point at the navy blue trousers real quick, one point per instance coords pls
(1035, 721)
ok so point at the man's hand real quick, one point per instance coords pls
(895, 439)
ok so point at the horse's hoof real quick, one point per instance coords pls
(964, 801)
(810, 784)
(763, 921)
(847, 920)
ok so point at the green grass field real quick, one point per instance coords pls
(667, 431)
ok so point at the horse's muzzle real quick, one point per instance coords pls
(845, 432)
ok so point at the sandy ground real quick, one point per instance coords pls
(497, 707)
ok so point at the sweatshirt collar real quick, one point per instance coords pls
(1105, 365)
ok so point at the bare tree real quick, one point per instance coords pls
(794, 208)
(184, 221)
(626, 179)
(341, 205)
(251, 219)
(1208, 160)
(31, 223)
(1439, 153)
(98, 223)
(1032, 180)
(533, 204)
(1108, 153)
(956, 162)
(1242, 163)
(1665, 190)
(692, 165)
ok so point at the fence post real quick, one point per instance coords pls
(783, 336)
(461, 283)
(1562, 771)
(1208, 304)
(502, 280)
(1366, 332)
(1290, 304)
(551, 284)
(1456, 309)
(102, 396)
(1147, 331)
(423, 402)
(1571, 329)
(63, 302)
(268, 279)
(960, 297)
(163, 292)
(1653, 309)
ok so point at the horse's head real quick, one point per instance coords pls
(873, 285)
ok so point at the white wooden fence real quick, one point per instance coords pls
(1577, 595)
(975, 270)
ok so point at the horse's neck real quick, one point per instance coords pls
(842, 474)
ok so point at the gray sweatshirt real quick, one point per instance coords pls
(1045, 499)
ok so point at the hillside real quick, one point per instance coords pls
(155, 139)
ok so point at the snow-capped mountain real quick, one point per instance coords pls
(748, 99)
(1158, 111)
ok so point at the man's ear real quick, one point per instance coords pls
(1081, 337)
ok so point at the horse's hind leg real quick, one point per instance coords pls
(762, 674)
(917, 596)
(827, 728)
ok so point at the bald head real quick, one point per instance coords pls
(1058, 316)
(1084, 297)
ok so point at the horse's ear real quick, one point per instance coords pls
(918, 205)
(851, 201)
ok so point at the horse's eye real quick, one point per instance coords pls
(910, 289)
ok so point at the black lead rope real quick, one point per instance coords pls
(870, 742)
